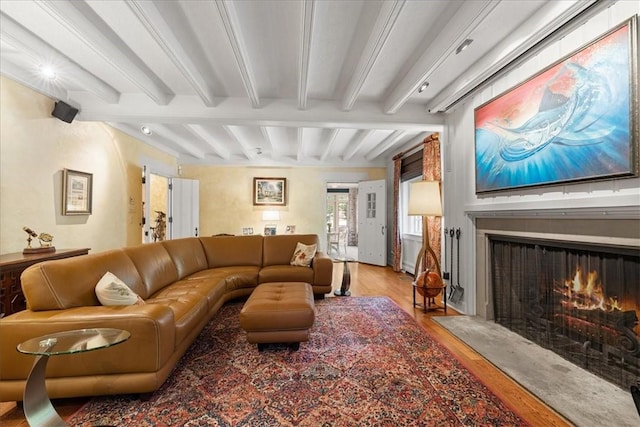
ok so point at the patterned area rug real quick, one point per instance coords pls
(368, 363)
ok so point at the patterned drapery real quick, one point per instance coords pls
(432, 171)
(397, 241)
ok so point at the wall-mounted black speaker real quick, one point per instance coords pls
(64, 112)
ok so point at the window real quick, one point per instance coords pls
(371, 205)
(337, 205)
(411, 224)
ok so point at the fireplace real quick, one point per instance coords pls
(580, 300)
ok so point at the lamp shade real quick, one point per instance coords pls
(271, 215)
(424, 198)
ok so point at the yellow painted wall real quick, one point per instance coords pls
(226, 197)
(35, 147)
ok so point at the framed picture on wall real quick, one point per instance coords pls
(77, 192)
(270, 230)
(269, 191)
(573, 121)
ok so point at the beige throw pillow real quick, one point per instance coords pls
(112, 291)
(303, 254)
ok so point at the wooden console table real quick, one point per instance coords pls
(12, 266)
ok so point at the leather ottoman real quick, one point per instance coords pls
(279, 312)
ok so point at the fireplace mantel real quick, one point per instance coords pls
(620, 199)
(610, 212)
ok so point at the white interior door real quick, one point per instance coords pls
(155, 198)
(184, 220)
(147, 210)
(372, 222)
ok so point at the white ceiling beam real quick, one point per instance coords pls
(164, 132)
(226, 9)
(247, 150)
(333, 133)
(469, 16)
(409, 146)
(383, 146)
(300, 137)
(267, 139)
(277, 112)
(134, 132)
(357, 143)
(16, 36)
(534, 36)
(200, 132)
(81, 26)
(387, 17)
(308, 14)
(149, 15)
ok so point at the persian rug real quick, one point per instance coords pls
(367, 363)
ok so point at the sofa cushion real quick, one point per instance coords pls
(286, 273)
(303, 255)
(277, 250)
(112, 291)
(155, 266)
(71, 282)
(189, 306)
(225, 251)
(187, 254)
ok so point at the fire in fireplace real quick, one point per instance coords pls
(580, 301)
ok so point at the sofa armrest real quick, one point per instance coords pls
(322, 266)
(151, 326)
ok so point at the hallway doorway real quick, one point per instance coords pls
(342, 220)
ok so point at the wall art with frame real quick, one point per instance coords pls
(77, 192)
(269, 191)
(575, 120)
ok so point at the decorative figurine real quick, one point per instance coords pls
(30, 234)
(161, 226)
(45, 240)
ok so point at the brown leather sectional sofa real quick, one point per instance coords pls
(183, 282)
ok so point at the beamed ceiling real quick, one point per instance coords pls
(271, 83)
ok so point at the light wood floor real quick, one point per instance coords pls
(367, 280)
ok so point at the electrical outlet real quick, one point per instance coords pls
(445, 276)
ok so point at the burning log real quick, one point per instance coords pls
(614, 328)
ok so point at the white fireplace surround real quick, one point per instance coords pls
(613, 228)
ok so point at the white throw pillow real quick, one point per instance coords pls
(303, 255)
(112, 291)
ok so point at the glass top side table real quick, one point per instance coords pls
(38, 409)
(346, 277)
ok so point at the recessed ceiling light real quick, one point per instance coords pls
(48, 72)
(465, 44)
(423, 86)
(146, 130)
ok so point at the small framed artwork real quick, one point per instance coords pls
(247, 231)
(291, 229)
(270, 230)
(77, 192)
(269, 191)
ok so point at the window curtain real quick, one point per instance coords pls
(397, 241)
(432, 171)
